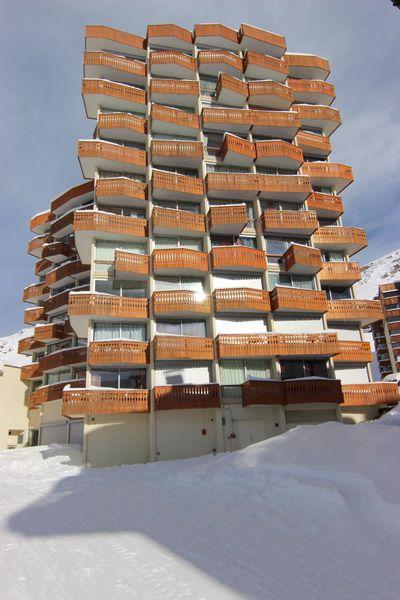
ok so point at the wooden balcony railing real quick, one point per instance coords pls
(181, 301)
(239, 257)
(34, 292)
(328, 170)
(204, 30)
(83, 189)
(112, 89)
(41, 222)
(320, 113)
(285, 184)
(340, 236)
(263, 393)
(60, 301)
(110, 223)
(35, 246)
(168, 57)
(166, 218)
(114, 61)
(276, 344)
(167, 31)
(340, 271)
(70, 269)
(167, 347)
(263, 61)
(314, 143)
(370, 394)
(171, 397)
(297, 257)
(49, 332)
(171, 149)
(237, 145)
(219, 57)
(270, 88)
(310, 86)
(260, 35)
(51, 392)
(34, 315)
(277, 149)
(232, 84)
(365, 311)
(121, 186)
(31, 371)
(63, 358)
(77, 403)
(241, 300)
(228, 116)
(114, 35)
(307, 61)
(118, 352)
(292, 220)
(180, 259)
(106, 305)
(174, 87)
(293, 300)
(354, 352)
(29, 345)
(58, 249)
(42, 267)
(63, 224)
(121, 120)
(173, 182)
(291, 392)
(221, 217)
(112, 152)
(325, 204)
(232, 182)
(129, 262)
(274, 118)
(175, 116)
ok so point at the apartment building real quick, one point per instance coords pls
(386, 332)
(195, 293)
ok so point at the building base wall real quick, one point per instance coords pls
(359, 414)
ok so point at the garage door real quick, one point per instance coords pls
(76, 432)
(54, 434)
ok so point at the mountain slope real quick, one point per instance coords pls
(379, 271)
(8, 349)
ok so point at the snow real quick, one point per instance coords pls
(382, 270)
(8, 349)
(309, 515)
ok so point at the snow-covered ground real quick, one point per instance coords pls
(313, 514)
(9, 347)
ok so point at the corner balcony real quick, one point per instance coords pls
(370, 394)
(339, 273)
(105, 226)
(227, 119)
(95, 155)
(231, 91)
(179, 261)
(31, 372)
(50, 332)
(291, 392)
(364, 312)
(84, 307)
(260, 66)
(347, 239)
(177, 222)
(314, 144)
(172, 153)
(327, 174)
(299, 222)
(302, 260)
(172, 186)
(353, 352)
(121, 191)
(128, 265)
(168, 347)
(290, 300)
(35, 246)
(99, 37)
(282, 124)
(238, 258)
(40, 223)
(307, 66)
(81, 402)
(308, 91)
(216, 36)
(173, 121)
(241, 300)
(233, 186)
(57, 252)
(35, 293)
(322, 117)
(59, 302)
(34, 315)
(262, 41)
(100, 94)
(122, 126)
(183, 397)
(103, 65)
(62, 226)
(48, 393)
(228, 218)
(170, 36)
(175, 91)
(42, 267)
(290, 188)
(68, 273)
(212, 62)
(72, 198)
(237, 151)
(118, 353)
(181, 303)
(29, 346)
(325, 205)
(279, 154)
(172, 63)
(269, 94)
(67, 357)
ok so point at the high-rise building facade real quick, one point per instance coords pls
(387, 331)
(195, 294)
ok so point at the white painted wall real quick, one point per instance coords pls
(173, 374)
(298, 324)
(350, 373)
(227, 281)
(346, 332)
(185, 433)
(238, 325)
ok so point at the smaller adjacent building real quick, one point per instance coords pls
(386, 332)
(14, 421)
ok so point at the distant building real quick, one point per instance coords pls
(387, 331)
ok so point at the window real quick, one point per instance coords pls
(179, 283)
(235, 372)
(279, 205)
(50, 348)
(187, 328)
(295, 369)
(182, 171)
(213, 168)
(328, 222)
(113, 174)
(286, 279)
(166, 136)
(123, 331)
(178, 242)
(333, 256)
(335, 293)
(176, 205)
(207, 86)
(275, 171)
(105, 251)
(121, 287)
(276, 246)
(233, 240)
(58, 376)
(119, 378)
(125, 211)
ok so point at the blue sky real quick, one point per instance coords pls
(42, 114)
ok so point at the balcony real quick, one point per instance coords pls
(81, 402)
(370, 394)
(227, 119)
(212, 62)
(94, 156)
(105, 226)
(184, 154)
(122, 126)
(35, 246)
(308, 91)
(179, 261)
(347, 239)
(182, 303)
(68, 273)
(260, 66)
(168, 347)
(364, 312)
(121, 191)
(259, 40)
(299, 222)
(339, 273)
(50, 332)
(62, 226)
(31, 372)
(302, 260)
(174, 91)
(307, 66)
(35, 293)
(243, 345)
(288, 299)
(173, 121)
(263, 393)
(237, 151)
(242, 300)
(216, 36)
(238, 258)
(72, 198)
(29, 346)
(172, 186)
(57, 252)
(59, 302)
(172, 63)
(63, 358)
(326, 174)
(233, 186)
(269, 94)
(170, 36)
(177, 222)
(281, 124)
(40, 223)
(279, 154)
(85, 307)
(100, 94)
(183, 397)
(290, 188)
(104, 65)
(48, 393)
(128, 265)
(231, 91)
(314, 144)
(99, 37)
(118, 353)
(34, 315)
(291, 392)
(228, 218)
(42, 267)
(325, 205)
(353, 352)
(322, 117)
